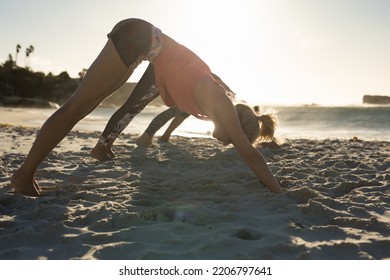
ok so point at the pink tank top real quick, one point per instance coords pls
(177, 70)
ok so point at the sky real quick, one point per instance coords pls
(327, 52)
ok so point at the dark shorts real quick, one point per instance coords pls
(132, 39)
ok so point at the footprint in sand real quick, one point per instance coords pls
(246, 234)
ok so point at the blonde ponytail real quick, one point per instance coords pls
(257, 127)
(268, 123)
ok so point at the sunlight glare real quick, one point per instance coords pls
(192, 127)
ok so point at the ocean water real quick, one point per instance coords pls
(317, 122)
(311, 122)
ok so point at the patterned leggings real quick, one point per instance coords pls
(144, 92)
(163, 118)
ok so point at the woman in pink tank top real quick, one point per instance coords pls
(184, 80)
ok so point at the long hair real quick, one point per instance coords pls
(258, 127)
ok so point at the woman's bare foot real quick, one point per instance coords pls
(24, 185)
(102, 153)
(164, 138)
(145, 140)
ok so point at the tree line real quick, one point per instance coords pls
(20, 83)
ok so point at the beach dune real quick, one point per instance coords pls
(194, 199)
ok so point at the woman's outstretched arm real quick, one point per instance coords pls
(215, 104)
(253, 158)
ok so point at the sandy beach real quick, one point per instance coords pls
(195, 199)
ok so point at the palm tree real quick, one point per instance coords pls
(29, 50)
(18, 47)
